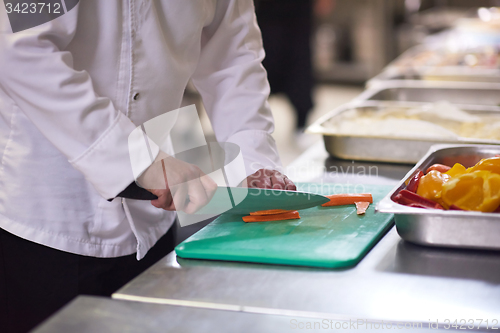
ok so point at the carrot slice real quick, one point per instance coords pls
(347, 199)
(274, 217)
(271, 212)
(361, 207)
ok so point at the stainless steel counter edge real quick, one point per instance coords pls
(90, 314)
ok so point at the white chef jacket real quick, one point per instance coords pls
(67, 107)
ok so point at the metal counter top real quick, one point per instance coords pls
(95, 314)
(396, 281)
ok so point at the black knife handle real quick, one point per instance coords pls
(134, 191)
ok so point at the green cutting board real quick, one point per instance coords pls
(323, 236)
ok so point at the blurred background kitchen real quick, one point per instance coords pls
(330, 49)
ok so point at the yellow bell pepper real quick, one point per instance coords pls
(474, 190)
(487, 164)
(456, 170)
(431, 185)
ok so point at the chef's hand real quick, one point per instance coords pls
(266, 178)
(178, 185)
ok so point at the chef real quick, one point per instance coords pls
(76, 78)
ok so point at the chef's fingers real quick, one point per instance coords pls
(164, 199)
(290, 186)
(200, 191)
(268, 172)
(179, 197)
(278, 181)
(265, 182)
(253, 182)
(259, 179)
(250, 181)
(265, 178)
(197, 196)
(209, 185)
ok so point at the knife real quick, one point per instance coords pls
(241, 200)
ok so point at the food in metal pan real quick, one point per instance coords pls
(487, 57)
(437, 121)
(455, 188)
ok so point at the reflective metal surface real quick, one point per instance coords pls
(380, 148)
(404, 67)
(446, 228)
(387, 285)
(467, 95)
(316, 165)
(395, 281)
(95, 315)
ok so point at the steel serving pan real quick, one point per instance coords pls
(466, 95)
(380, 148)
(422, 62)
(437, 74)
(460, 229)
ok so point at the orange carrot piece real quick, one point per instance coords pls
(271, 212)
(274, 217)
(361, 207)
(347, 199)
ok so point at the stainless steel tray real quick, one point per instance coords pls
(467, 95)
(379, 148)
(430, 227)
(397, 70)
(437, 74)
(404, 68)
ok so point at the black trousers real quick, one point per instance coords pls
(286, 33)
(36, 281)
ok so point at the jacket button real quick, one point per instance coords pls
(136, 96)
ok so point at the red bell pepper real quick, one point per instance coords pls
(407, 198)
(414, 181)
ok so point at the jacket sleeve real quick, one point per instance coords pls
(38, 75)
(233, 84)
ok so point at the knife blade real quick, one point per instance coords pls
(241, 200)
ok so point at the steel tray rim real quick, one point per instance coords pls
(424, 84)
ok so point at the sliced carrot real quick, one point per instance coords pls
(271, 212)
(274, 217)
(347, 199)
(361, 207)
